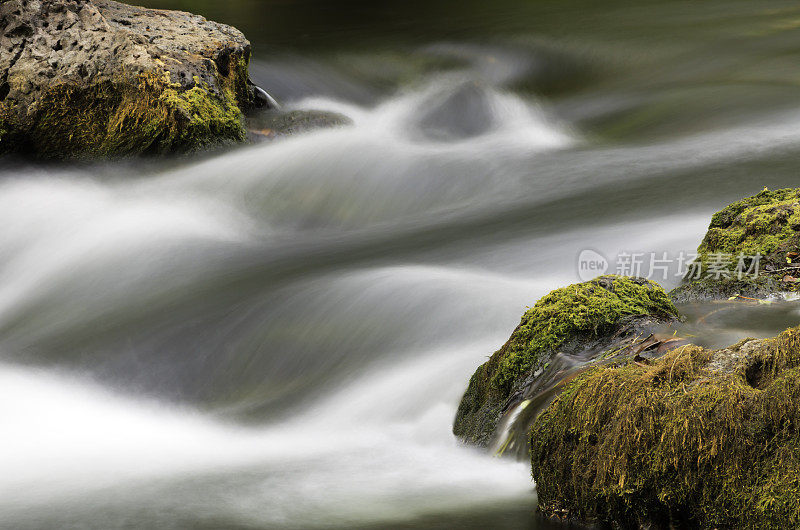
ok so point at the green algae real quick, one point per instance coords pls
(681, 441)
(574, 314)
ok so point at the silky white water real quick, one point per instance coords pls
(278, 335)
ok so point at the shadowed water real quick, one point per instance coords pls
(278, 335)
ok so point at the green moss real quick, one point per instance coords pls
(481, 406)
(682, 440)
(112, 119)
(206, 116)
(590, 308)
(764, 224)
(576, 315)
(234, 77)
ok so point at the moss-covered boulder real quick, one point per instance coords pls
(571, 326)
(101, 78)
(765, 225)
(695, 439)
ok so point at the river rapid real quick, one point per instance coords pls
(278, 335)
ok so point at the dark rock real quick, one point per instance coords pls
(269, 125)
(708, 289)
(101, 78)
(262, 100)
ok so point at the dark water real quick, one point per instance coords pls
(277, 336)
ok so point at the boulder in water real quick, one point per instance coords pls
(570, 328)
(465, 112)
(752, 249)
(101, 78)
(695, 439)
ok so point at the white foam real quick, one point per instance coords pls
(66, 441)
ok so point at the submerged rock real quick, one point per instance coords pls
(276, 123)
(457, 114)
(766, 225)
(568, 329)
(101, 78)
(696, 439)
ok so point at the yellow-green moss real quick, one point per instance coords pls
(210, 117)
(579, 313)
(151, 116)
(234, 75)
(765, 224)
(588, 309)
(682, 440)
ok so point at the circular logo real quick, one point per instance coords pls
(591, 264)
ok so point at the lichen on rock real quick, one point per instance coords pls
(765, 225)
(698, 438)
(101, 78)
(589, 317)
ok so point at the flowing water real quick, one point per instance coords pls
(278, 335)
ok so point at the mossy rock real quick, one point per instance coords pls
(97, 78)
(590, 318)
(112, 119)
(766, 224)
(695, 439)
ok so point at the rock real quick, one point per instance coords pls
(768, 225)
(563, 333)
(276, 123)
(695, 439)
(101, 78)
(457, 114)
(708, 289)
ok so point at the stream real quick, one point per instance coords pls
(278, 335)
